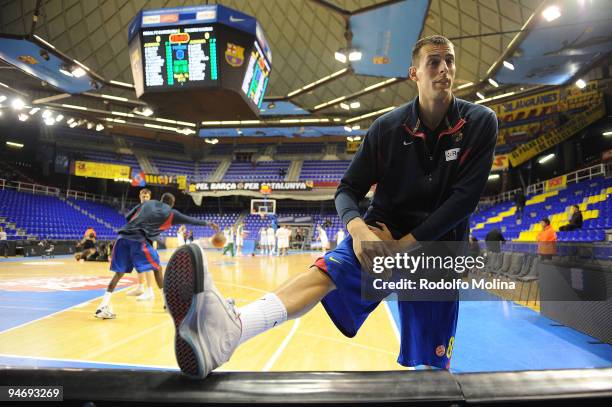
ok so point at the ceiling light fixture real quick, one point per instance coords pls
(551, 13)
(78, 72)
(14, 145)
(503, 95)
(17, 104)
(340, 56)
(354, 55)
(509, 65)
(465, 85)
(546, 158)
(365, 116)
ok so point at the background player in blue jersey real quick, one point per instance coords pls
(134, 249)
(430, 160)
(140, 291)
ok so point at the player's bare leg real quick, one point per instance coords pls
(302, 292)
(140, 288)
(147, 293)
(209, 328)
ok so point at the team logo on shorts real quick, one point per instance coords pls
(234, 55)
(457, 137)
(440, 351)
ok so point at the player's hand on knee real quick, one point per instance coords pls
(367, 247)
(382, 232)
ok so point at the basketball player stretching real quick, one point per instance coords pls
(430, 160)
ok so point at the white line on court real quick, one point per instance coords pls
(246, 287)
(348, 342)
(130, 338)
(87, 361)
(55, 313)
(282, 346)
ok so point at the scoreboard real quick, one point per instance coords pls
(200, 63)
(256, 76)
(176, 58)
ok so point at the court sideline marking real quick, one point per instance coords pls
(81, 304)
(282, 347)
(2, 355)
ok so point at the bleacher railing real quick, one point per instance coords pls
(572, 178)
(86, 196)
(53, 191)
(27, 187)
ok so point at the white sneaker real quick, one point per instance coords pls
(145, 296)
(105, 313)
(207, 326)
(136, 291)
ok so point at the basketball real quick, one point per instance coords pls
(218, 240)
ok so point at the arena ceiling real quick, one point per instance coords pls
(303, 36)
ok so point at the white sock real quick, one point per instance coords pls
(141, 287)
(106, 299)
(150, 291)
(261, 315)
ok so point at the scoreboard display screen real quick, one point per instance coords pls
(179, 57)
(199, 61)
(256, 76)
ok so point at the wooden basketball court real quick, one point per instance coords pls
(143, 334)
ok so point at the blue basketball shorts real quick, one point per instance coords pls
(129, 254)
(427, 328)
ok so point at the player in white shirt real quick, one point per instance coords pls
(271, 240)
(323, 238)
(240, 233)
(180, 235)
(263, 240)
(340, 236)
(282, 234)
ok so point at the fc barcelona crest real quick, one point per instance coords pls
(234, 55)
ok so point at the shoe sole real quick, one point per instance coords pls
(182, 283)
